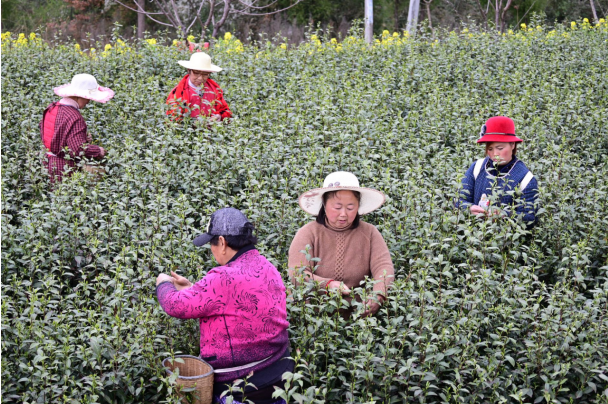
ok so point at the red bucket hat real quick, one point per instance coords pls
(498, 129)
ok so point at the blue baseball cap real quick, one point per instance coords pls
(224, 222)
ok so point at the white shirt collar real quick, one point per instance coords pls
(70, 102)
(198, 89)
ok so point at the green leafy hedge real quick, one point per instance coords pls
(481, 311)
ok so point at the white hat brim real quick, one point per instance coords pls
(311, 201)
(188, 65)
(101, 94)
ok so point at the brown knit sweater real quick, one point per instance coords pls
(346, 255)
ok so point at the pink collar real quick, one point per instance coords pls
(69, 101)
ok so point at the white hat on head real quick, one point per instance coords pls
(200, 61)
(85, 86)
(371, 199)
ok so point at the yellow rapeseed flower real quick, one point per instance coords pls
(227, 36)
(601, 21)
(107, 47)
(395, 35)
(573, 25)
(385, 33)
(151, 41)
(510, 32)
(284, 46)
(190, 38)
(523, 26)
(6, 35)
(333, 41)
(21, 40)
(586, 20)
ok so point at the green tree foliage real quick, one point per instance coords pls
(481, 311)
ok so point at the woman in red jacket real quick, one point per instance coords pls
(64, 131)
(196, 94)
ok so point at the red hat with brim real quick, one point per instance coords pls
(498, 129)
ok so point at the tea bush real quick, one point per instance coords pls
(481, 311)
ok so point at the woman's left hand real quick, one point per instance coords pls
(164, 278)
(177, 280)
(372, 307)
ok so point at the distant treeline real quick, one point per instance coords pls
(81, 19)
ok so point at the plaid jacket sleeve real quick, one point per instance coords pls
(77, 140)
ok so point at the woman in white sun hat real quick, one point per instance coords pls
(196, 94)
(64, 131)
(349, 248)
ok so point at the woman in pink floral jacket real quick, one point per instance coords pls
(241, 309)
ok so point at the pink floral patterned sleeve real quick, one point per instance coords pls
(242, 313)
(198, 301)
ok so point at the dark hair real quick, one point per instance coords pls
(321, 216)
(240, 241)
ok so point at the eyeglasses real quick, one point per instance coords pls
(199, 73)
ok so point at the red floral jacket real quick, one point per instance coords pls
(184, 99)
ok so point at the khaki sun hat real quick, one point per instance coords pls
(85, 86)
(200, 61)
(371, 199)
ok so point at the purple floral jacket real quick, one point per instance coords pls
(241, 310)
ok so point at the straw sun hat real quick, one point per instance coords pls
(85, 86)
(371, 199)
(200, 61)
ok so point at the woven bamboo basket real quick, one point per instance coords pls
(193, 373)
(97, 171)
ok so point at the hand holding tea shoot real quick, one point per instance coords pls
(345, 290)
(372, 306)
(180, 282)
(177, 280)
(476, 209)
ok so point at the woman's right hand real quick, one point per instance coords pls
(180, 282)
(345, 290)
(476, 209)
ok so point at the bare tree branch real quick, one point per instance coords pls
(526, 13)
(269, 13)
(197, 17)
(259, 8)
(503, 15)
(193, 11)
(179, 21)
(147, 14)
(484, 15)
(221, 22)
(595, 20)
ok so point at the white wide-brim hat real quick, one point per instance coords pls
(371, 199)
(85, 86)
(200, 61)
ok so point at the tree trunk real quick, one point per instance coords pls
(595, 20)
(412, 17)
(369, 21)
(141, 19)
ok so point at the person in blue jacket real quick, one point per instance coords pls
(500, 173)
